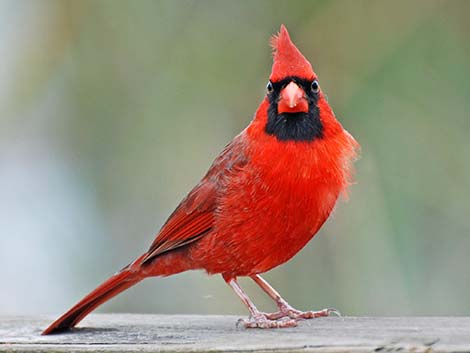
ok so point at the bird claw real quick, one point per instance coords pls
(301, 315)
(286, 317)
(261, 321)
(333, 312)
(314, 314)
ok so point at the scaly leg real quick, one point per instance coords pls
(285, 310)
(257, 319)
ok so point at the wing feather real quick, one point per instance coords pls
(195, 215)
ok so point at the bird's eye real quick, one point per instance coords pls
(315, 86)
(269, 87)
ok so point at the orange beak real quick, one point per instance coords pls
(292, 100)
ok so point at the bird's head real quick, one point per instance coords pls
(293, 94)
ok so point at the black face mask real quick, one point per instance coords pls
(294, 126)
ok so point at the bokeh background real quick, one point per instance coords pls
(110, 111)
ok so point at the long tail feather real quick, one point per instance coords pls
(110, 288)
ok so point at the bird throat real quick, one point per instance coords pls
(294, 126)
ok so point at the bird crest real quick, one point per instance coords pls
(288, 60)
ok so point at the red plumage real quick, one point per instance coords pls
(288, 60)
(262, 200)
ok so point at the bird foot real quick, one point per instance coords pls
(261, 321)
(290, 312)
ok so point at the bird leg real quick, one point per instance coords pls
(285, 310)
(257, 319)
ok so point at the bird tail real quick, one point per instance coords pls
(117, 283)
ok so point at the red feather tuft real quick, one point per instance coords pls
(288, 60)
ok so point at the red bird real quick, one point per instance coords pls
(264, 197)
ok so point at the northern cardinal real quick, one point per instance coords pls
(264, 197)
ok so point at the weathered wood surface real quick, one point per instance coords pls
(191, 333)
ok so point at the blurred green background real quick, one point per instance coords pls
(110, 111)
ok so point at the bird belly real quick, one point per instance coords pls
(262, 224)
